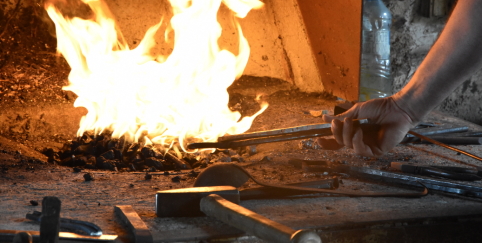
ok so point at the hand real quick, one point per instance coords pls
(393, 120)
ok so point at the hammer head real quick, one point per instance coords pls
(185, 202)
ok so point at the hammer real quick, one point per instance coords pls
(209, 200)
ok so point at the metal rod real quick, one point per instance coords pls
(249, 142)
(324, 128)
(448, 147)
(406, 179)
(456, 140)
(439, 130)
(465, 134)
(287, 134)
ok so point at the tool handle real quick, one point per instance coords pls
(253, 223)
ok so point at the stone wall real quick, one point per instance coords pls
(412, 36)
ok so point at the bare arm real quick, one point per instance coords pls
(452, 59)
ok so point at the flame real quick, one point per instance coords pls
(162, 99)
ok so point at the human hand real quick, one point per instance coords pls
(394, 124)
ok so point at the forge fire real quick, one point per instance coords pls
(158, 99)
(148, 121)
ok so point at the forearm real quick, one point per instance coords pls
(452, 59)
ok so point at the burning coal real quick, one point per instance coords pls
(161, 100)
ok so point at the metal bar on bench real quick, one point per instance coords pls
(406, 179)
(439, 130)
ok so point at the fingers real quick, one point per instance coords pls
(337, 130)
(365, 146)
(359, 146)
(348, 132)
(351, 113)
(328, 144)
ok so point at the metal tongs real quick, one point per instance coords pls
(286, 134)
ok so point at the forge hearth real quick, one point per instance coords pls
(41, 155)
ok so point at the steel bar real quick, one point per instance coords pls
(452, 140)
(407, 179)
(465, 134)
(249, 142)
(135, 224)
(439, 130)
(8, 235)
(449, 147)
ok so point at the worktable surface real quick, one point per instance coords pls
(333, 216)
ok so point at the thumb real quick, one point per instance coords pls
(350, 113)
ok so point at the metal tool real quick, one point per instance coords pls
(135, 224)
(479, 169)
(434, 171)
(398, 178)
(71, 224)
(286, 134)
(241, 176)
(50, 220)
(455, 140)
(253, 223)
(231, 176)
(186, 201)
(432, 131)
(9, 235)
(423, 128)
(465, 134)
(407, 179)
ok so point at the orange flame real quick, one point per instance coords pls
(181, 97)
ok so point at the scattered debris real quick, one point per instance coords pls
(318, 113)
(251, 150)
(176, 179)
(308, 144)
(265, 159)
(193, 174)
(88, 176)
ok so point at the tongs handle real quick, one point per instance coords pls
(286, 134)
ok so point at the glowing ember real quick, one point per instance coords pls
(181, 97)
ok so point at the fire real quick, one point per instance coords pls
(181, 97)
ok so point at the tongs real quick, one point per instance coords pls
(286, 134)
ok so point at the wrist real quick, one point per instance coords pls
(408, 104)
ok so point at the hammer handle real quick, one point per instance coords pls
(253, 223)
